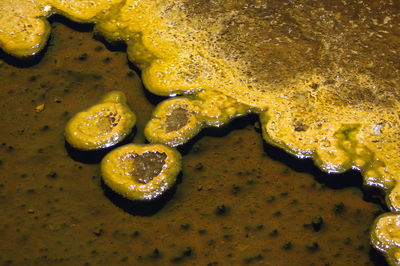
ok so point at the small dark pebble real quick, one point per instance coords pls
(339, 208)
(287, 245)
(313, 247)
(135, 234)
(317, 223)
(185, 226)
(274, 232)
(199, 166)
(221, 210)
(253, 259)
(98, 232)
(202, 231)
(33, 78)
(98, 48)
(45, 128)
(294, 201)
(96, 76)
(277, 213)
(250, 182)
(155, 254)
(260, 227)
(31, 191)
(186, 253)
(107, 60)
(228, 237)
(235, 189)
(270, 198)
(83, 57)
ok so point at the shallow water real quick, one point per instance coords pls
(239, 201)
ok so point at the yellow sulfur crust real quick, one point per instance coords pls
(118, 171)
(101, 125)
(323, 75)
(23, 26)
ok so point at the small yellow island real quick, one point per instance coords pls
(141, 172)
(102, 125)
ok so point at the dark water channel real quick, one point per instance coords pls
(239, 200)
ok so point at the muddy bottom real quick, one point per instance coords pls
(239, 201)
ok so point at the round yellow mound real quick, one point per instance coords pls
(102, 125)
(385, 236)
(23, 26)
(141, 172)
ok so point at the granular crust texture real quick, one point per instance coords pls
(323, 75)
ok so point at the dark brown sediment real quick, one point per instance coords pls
(55, 211)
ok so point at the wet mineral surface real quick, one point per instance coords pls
(239, 201)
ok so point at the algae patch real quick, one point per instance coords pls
(141, 172)
(101, 126)
(323, 76)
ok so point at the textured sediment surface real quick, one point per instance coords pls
(324, 76)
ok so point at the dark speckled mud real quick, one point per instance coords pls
(239, 201)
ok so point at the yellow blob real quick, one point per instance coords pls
(141, 172)
(102, 125)
(24, 29)
(385, 236)
(173, 122)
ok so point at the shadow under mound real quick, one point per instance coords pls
(377, 258)
(114, 46)
(27, 61)
(77, 26)
(222, 131)
(93, 157)
(153, 98)
(350, 178)
(140, 208)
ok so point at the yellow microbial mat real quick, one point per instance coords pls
(324, 76)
